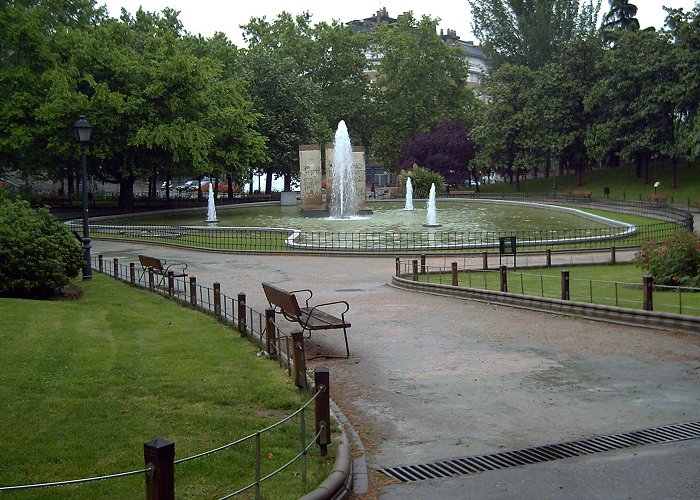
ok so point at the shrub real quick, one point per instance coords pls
(38, 254)
(421, 180)
(674, 262)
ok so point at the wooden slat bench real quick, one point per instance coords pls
(162, 268)
(309, 317)
(580, 194)
(461, 193)
(658, 197)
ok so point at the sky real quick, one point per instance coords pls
(206, 17)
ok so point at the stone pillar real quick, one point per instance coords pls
(359, 172)
(310, 177)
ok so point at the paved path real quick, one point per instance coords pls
(432, 377)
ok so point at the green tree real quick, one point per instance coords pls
(632, 104)
(530, 32)
(420, 81)
(504, 138)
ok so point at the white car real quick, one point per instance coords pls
(188, 186)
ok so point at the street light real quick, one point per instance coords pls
(83, 130)
(553, 150)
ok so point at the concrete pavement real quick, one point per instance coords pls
(432, 378)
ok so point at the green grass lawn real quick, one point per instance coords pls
(85, 383)
(617, 285)
(622, 182)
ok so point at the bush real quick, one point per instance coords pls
(421, 180)
(674, 262)
(38, 254)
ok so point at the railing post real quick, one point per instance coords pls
(171, 284)
(241, 314)
(485, 263)
(398, 266)
(151, 284)
(454, 274)
(115, 269)
(613, 259)
(422, 263)
(564, 284)
(100, 263)
(504, 279)
(193, 291)
(159, 454)
(299, 360)
(132, 273)
(648, 292)
(323, 409)
(217, 299)
(415, 270)
(270, 330)
(548, 255)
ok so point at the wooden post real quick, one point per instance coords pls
(613, 258)
(217, 299)
(159, 454)
(241, 314)
(100, 263)
(270, 331)
(193, 291)
(454, 275)
(151, 284)
(504, 279)
(564, 284)
(132, 273)
(115, 269)
(422, 263)
(398, 266)
(485, 264)
(323, 409)
(648, 282)
(548, 255)
(171, 284)
(415, 270)
(299, 360)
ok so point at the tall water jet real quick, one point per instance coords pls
(432, 212)
(409, 194)
(211, 207)
(343, 200)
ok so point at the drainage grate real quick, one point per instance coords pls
(546, 453)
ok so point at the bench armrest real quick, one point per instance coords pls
(181, 266)
(305, 290)
(338, 302)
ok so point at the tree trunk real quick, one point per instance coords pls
(674, 173)
(126, 194)
(268, 181)
(638, 166)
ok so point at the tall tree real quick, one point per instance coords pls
(421, 81)
(530, 32)
(621, 16)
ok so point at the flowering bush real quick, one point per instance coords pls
(674, 262)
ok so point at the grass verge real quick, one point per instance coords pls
(87, 382)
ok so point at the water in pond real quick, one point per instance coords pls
(454, 216)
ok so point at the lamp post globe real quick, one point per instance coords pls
(83, 131)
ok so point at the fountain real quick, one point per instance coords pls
(211, 208)
(409, 194)
(432, 215)
(343, 202)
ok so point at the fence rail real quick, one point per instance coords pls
(159, 453)
(642, 295)
(247, 239)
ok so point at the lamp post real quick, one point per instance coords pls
(553, 150)
(83, 130)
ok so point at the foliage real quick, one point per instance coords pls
(530, 32)
(674, 262)
(619, 17)
(38, 254)
(446, 148)
(421, 181)
(421, 81)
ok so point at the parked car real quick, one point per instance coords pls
(188, 186)
(221, 186)
(162, 186)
